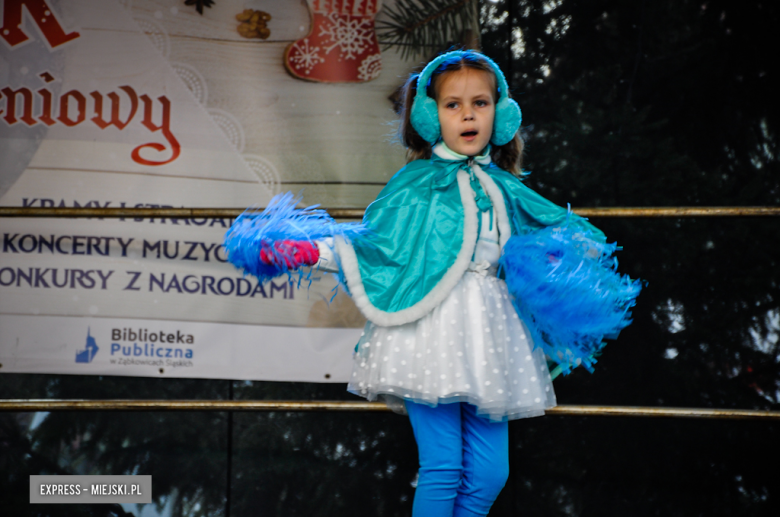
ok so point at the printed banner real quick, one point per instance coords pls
(146, 103)
(156, 348)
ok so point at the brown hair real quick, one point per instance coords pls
(507, 156)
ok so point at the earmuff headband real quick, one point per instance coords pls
(425, 75)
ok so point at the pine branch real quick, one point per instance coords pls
(416, 26)
(199, 4)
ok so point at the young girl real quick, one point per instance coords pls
(443, 336)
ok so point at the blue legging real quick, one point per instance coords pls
(464, 460)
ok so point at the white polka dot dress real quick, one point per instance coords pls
(471, 348)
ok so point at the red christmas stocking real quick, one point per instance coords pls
(341, 47)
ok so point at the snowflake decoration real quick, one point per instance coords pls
(352, 36)
(370, 67)
(304, 56)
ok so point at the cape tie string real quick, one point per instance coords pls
(449, 174)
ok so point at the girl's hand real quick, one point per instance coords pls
(290, 254)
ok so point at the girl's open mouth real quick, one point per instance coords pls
(468, 134)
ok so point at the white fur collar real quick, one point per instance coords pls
(443, 151)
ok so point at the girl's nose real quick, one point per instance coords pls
(468, 113)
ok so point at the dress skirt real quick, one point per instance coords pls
(471, 348)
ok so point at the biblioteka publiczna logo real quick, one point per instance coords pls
(142, 342)
(86, 355)
(142, 346)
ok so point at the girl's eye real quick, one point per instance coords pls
(452, 105)
(481, 103)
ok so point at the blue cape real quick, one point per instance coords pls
(424, 226)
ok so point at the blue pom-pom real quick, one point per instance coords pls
(256, 230)
(567, 289)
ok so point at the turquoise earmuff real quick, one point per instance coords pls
(425, 112)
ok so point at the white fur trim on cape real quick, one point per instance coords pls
(349, 267)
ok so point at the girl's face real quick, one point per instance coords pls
(466, 109)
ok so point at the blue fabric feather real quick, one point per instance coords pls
(256, 230)
(567, 289)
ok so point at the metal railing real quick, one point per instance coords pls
(26, 405)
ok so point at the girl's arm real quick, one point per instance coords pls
(282, 238)
(329, 261)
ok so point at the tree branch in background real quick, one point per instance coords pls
(416, 27)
